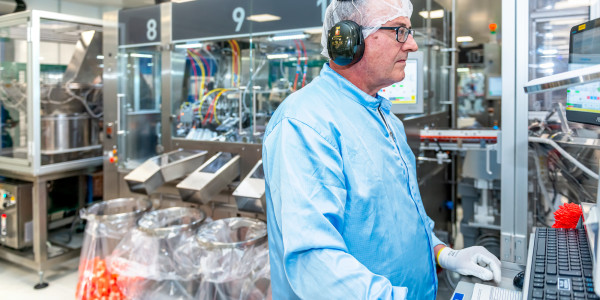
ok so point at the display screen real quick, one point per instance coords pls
(405, 91)
(583, 101)
(494, 86)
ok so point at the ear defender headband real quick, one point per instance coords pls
(345, 42)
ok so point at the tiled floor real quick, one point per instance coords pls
(17, 282)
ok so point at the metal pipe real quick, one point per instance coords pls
(565, 154)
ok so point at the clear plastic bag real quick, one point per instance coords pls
(147, 254)
(234, 260)
(107, 223)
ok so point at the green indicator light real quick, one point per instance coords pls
(401, 86)
(576, 92)
(393, 85)
(568, 91)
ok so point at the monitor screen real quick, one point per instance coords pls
(583, 101)
(494, 87)
(407, 95)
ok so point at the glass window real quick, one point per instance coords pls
(140, 105)
(13, 91)
(71, 91)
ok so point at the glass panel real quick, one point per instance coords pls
(140, 104)
(549, 54)
(223, 80)
(71, 91)
(13, 91)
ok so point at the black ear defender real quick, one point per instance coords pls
(345, 43)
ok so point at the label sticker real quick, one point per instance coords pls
(458, 296)
(581, 27)
(564, 284)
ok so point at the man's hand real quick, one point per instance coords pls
(475, 261)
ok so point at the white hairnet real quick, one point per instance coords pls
(367, 13)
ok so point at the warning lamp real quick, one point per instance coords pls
(493, 27)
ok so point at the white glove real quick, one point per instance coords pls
(475, 261)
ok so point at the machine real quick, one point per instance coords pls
(16, 214)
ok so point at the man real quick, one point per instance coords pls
(345, 217)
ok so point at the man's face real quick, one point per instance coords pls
(384, 59)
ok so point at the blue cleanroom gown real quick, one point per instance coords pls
(345, 216)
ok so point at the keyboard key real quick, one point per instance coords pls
(541, 270)
(566, 272)
(541, 246)
(564, 293)
(551, 292)
(578, 288)
(538, 285)
(538, 293)
(538, 276)
(579, 295)
(551, 281)
(538, 280)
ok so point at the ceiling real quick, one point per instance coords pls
(473, 16)
(118, 3)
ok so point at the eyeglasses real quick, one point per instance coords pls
(401, 33)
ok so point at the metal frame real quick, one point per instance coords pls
(38, 260)
(32, 165)
(514, 142)
(30, 169)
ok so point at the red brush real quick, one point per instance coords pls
(567, 216)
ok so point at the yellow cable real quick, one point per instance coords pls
(202, 70)
(215, 104)
(232, 62)
(239, 57)
(204, 98)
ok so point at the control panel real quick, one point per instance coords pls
(16, 214)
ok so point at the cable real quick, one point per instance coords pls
(215, 106)
(239, 62)
(202, 70)
(305, 69)
(204, 98)
(298, 68)
(565, 154)
(80, 99)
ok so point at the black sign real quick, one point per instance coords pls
(212, 18)
(471, 55)
(139, 25)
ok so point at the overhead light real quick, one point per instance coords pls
(278, 56)
(100, 57)
(288, 37)
(434, 14)
(296, 58)
(314, 31)
(186, 46)
(549, 52)
(572, 4)
(463, 39)
(140, 55)
(263, 18)
(547, 65)
(462, 70)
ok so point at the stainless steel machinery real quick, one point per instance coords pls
(50, 113)
(174, 80)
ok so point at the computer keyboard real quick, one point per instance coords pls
(562, 265)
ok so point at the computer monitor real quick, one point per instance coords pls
(494, 88)
(407, 95)
(583, 101)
